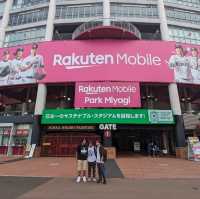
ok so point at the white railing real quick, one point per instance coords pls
(99, 22)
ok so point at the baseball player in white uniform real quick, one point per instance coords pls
(16, 64)
(181, 65)
(5, 67)
(195, 65)
(35, 61)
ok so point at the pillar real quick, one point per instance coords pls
(50, 20)
(40, 99)
(24, 108)
(106, 12)
(39, 107)
(165, 141)
(42, 89)
(173, 90)
(5, 20)
(189, 107)
(107, 138)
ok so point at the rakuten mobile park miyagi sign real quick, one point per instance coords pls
(107, 94)
(100, 60)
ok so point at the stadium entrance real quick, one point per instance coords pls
(135, 140)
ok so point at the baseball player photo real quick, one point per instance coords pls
(181, 65)
(195, 65)
(5, 67)
(36, 61)
(16, 64)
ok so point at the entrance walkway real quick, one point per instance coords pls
(131, 167)
(157, 168)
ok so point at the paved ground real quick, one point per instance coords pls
(145, 177)
(12, 187)
(62, 188)
(159, 168)
(135, 167)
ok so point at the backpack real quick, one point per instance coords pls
(105, 155)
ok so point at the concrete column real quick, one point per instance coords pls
(189, 107)
(173, 90)
(174, 99)
(165, 141)
(5, 20)
(106, 12)
(107, 137)
(42, 89)
(50, 20)
(163, 21)
(41, 99)
(24, 108)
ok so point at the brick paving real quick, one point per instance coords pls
(158, 168)
(5, 159)
(131, 167)
(46, 167)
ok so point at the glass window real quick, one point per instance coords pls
(182, 15)
(28, 17)
(184, 35)
(82, 11)
(26, 3)
(191, 3)
(133, 10)
(2, 5)
(24, 36)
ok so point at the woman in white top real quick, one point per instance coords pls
(91, 162)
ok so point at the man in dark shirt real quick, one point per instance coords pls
(82, 154)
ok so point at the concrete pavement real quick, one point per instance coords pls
(65, 188)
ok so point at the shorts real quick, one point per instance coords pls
(82, 165)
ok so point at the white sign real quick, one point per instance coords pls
(136, 146)
(108, 127)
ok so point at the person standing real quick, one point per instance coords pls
(180, 64)
(82, 155)
(36, 61)
(195, 65)
(91, 162)
(5, 67)
(16, 64)
(101, 158)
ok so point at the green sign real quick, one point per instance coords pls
(161, 117)
(95, 116)
(107, 116)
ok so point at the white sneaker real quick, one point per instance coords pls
(84, 179)
(89, 179)
(78, 179)
(94, 179)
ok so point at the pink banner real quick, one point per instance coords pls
(108, 60)
(100, 60)
(107, 94)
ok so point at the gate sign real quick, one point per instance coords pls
(107, 94)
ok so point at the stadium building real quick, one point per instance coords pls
(126, 72)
